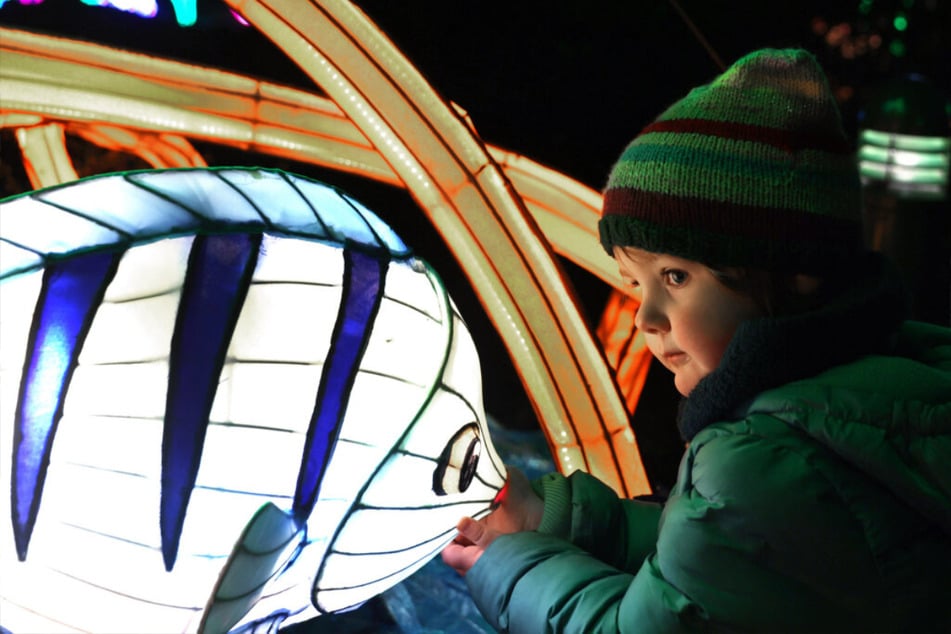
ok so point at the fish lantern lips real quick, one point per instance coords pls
(500, 496)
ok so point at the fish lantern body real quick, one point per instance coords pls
(231, 399)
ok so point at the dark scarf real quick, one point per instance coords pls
(769, 352)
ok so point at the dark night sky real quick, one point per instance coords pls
(564, 83)
(569, 84)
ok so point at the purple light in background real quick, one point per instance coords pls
(237, 16)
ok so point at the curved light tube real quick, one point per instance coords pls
(48, 163)
(45, 157)
(492, 238)
(158, 150)
(66, 80)
(238, 111)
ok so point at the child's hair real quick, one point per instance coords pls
(752, 171)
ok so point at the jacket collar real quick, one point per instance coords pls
(769, 352)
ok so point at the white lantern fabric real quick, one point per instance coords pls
(229, 399)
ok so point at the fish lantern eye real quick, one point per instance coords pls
(458, 461)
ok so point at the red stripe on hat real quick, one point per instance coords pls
(729, 219)
(782, 139)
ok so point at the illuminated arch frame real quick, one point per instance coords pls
(383, 122)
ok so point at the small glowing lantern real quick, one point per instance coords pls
(904, 145)
(911, 166)
(904, 155)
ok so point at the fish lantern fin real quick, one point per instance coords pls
(267, 545)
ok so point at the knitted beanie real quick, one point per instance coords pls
(753, 170)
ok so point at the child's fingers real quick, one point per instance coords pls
(472, 530)
(460, 558)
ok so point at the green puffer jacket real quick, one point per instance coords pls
(815, 495)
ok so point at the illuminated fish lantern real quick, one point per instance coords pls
(231, 399)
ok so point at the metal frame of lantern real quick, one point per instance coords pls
(382, 121)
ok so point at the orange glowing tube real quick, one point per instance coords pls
(44, 155)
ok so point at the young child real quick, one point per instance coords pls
(815, 492)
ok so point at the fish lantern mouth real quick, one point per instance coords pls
(500, 496)
(458, 461)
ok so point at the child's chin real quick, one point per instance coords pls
(685, 384)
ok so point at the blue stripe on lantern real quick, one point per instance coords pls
(362, 293)
(70, 295)
(215, 287)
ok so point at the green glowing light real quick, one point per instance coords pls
(906, 141)
(897, 48)
(911, 165)
(900, 22)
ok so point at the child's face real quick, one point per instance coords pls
(688, 316)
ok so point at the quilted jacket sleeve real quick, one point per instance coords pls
(583, 510)
(738, 547)
(521, 584)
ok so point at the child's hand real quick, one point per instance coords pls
(520, 510)
(469, 544)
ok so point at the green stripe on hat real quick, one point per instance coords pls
(739, 171)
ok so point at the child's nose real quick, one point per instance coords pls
(650, 317)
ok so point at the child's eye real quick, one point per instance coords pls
(675, 277)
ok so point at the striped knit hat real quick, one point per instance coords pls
(752, 170)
